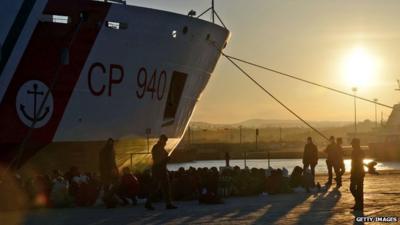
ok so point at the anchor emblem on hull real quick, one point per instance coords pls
(30, 98)
(35, 116)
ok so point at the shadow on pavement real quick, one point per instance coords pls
(321, 208)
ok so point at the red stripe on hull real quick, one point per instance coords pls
(40, 61)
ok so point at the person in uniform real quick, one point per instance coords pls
(160, 173)
(357, 175)
(310, 157)
(332, 160)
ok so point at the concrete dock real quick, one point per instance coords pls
(331, 206)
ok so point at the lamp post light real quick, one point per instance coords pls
(376, 113)
(354, 89)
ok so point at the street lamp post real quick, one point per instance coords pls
(354, 89)
(257, 132)
(240, 135)
(376, 113)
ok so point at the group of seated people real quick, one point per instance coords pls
(207, 185)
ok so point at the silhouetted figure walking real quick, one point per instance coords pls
(340, 162)
(357, 175)
(332, 160)
(160, 173)
(310, 157)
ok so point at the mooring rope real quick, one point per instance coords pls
(306, 81)
(272, 96)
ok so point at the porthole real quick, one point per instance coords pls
(208, 37)
(185, 30)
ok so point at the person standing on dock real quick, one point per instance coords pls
(108, 167)
(310, 157)
(332, 160)
(160, 173)
(357, 175)
(341, 166)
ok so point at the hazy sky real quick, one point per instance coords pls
(316, 40)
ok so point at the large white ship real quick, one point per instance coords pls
(74, 73)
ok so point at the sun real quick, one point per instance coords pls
(359, 68)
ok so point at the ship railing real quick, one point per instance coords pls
(135, 153)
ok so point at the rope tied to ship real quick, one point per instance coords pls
(273, 97)
(305, 81)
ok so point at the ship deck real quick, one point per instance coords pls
(327, 207)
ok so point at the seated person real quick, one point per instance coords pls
(129, 187)
(277, 183)
(308, 180)
(59, 196)
(371, 167)
(209, 187)
(296, 178)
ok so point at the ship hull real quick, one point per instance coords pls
(133, 153)
(112, 71)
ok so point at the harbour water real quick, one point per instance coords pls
(289, 164)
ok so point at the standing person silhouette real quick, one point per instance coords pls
(332, 160)
(109, 174)
(160, 173)
(357, 175)
(341, 167)
(310, 157)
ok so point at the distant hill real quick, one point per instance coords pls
(261, 123)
